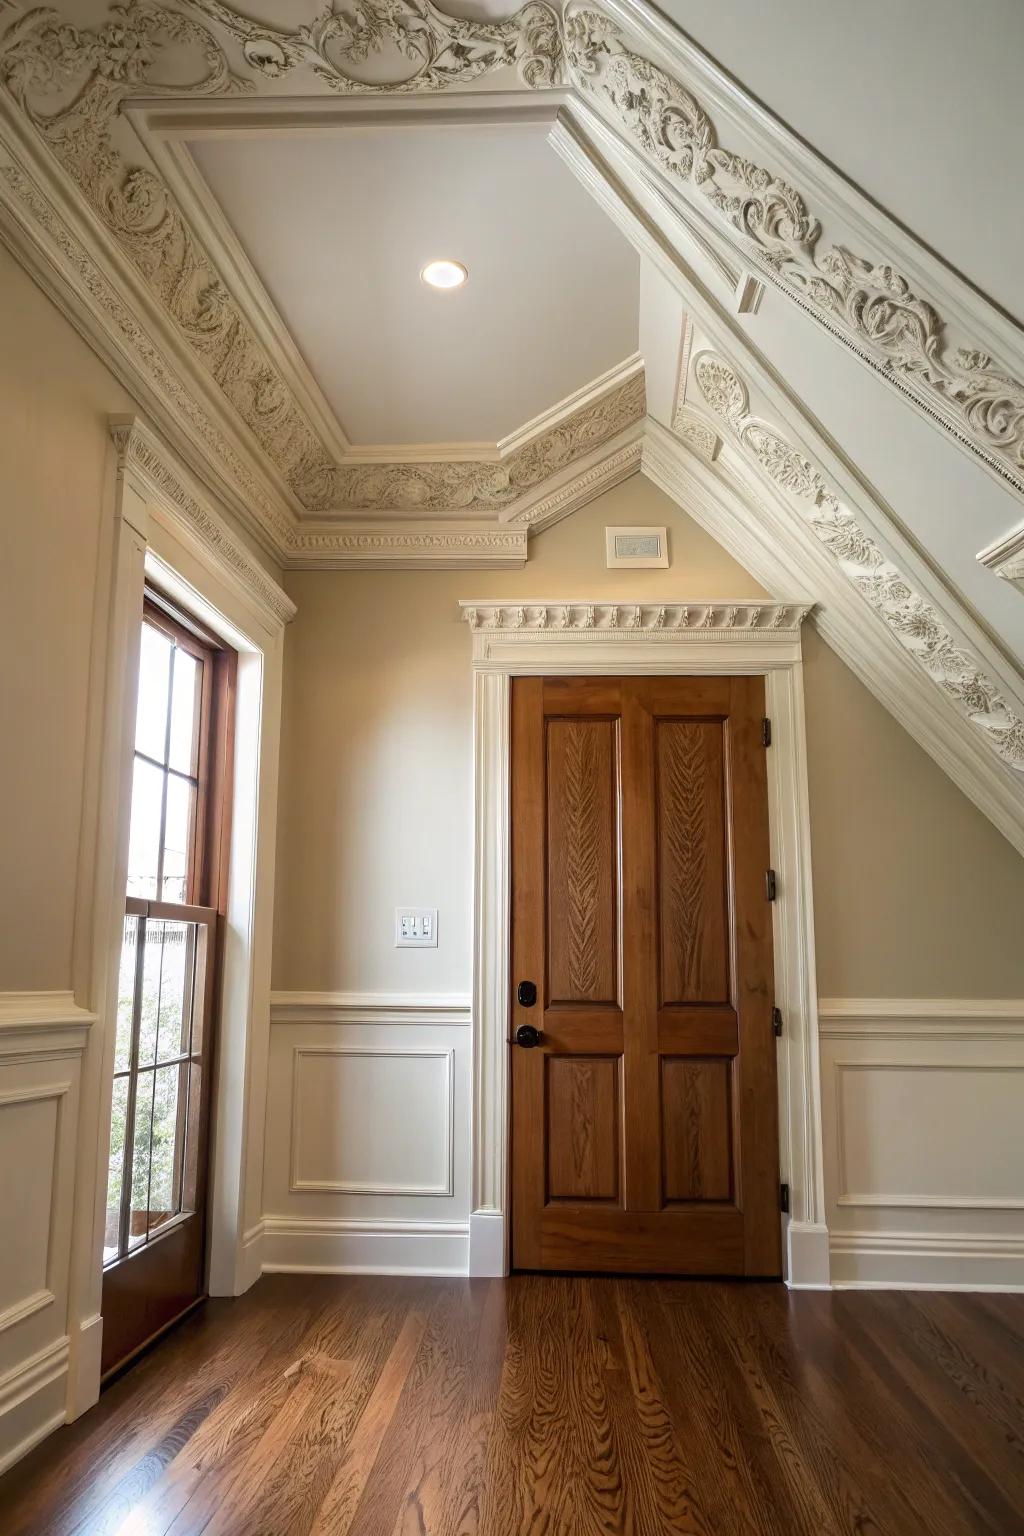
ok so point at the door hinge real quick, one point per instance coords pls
(769, 884)
(784, 1199)
(766, 731)
(776, 1021)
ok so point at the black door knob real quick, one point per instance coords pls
(526, 992)
(527, 1036)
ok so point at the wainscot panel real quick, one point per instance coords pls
(42, 1036)
(924, 1141)
(367, 1148)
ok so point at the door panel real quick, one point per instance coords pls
(644, 1122)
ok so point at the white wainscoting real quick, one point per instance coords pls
(923, 1122)
(367, 1139)
(42, 1036)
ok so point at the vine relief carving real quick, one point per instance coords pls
(908, 615)
(870, 303)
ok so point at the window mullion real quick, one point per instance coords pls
(128, 1157)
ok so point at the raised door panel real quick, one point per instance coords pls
(692, 862)
(582, 862)
(583, 1131)
(697, 1129)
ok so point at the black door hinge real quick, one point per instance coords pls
(769, 884)
(784, 1199)
(776, 1021)
(766, 731)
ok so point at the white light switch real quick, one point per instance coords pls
(416, 927)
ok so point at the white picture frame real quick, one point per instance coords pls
(636, 549)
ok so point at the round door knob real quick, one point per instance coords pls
(527, 1037)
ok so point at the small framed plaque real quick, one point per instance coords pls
(636, 549)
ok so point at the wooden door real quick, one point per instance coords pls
(644, 1119)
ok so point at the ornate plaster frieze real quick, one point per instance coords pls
(869, 303)
(441, 50)
(582, 487)
(639, 618)
(697, 434)
(139, 450)
(479, 485)
(906, 613)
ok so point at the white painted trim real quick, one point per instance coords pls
(452, 1008)
(446, 1189)
(913, 1018)
(355, 1246)
(585, 637)
(27, 1380)
(916, 1261)
(31, 1012)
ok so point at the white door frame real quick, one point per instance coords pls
(163, 525)
(588, 637)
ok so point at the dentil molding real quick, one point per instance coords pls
(647, 619)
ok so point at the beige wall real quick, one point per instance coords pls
(54, 398)
(916, 894)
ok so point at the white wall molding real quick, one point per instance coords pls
(28, 1393)
(936, 1201)
(444, 1186)
(404, 546)
(451, 1008)
(1006, 558)
(353, 1246)
(576, 637)
(40, 1013)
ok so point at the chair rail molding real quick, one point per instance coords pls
(577, 636)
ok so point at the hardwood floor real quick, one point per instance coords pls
(549, 1405)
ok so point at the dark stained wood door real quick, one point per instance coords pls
(644, 1121)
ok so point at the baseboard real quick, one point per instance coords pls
(250, 1258)
(371, 1247)
(487, 1253)
(915, 1261)
(32, 1401)
(807, 1256)
(84, 1367)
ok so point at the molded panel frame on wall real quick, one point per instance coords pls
(579, 637)
(163, 526)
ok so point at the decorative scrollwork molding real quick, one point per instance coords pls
(909, 616)
(869, 303)
(343, 547)
(442, 50)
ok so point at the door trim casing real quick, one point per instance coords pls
(581, 637)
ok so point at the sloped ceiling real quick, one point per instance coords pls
(821, 377)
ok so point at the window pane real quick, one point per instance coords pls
(149, 1012)
(184, 754)
(154, 681)
(168, 1134)
(138, 1220)
(177, 838)
(126, 994)
(115, 1169)
(144, 838)
(175, 989)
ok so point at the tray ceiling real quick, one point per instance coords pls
(338, 228)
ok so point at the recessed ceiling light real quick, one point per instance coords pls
(444, 274)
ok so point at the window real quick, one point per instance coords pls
(168, 953)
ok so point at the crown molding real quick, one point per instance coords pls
(376, 546)
(804, 228)
(1006, 557)
(708, 617)
(141, 454)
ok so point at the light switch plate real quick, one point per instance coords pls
(415, 927)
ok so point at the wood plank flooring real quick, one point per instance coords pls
(550, 1406)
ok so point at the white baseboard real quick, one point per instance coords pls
(32, 1401)
(807, 1254)
(942, 1261)
(84, 1368)
(372, 1247)
(487, 1252)
(250, 1257)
